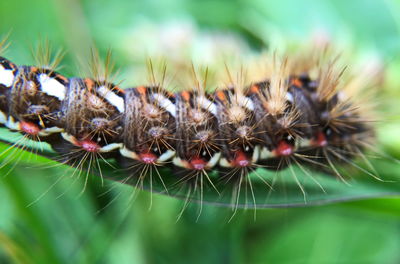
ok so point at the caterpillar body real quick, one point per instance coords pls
(286, 118)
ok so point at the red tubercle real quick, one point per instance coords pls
(142, 90)
(320, 140)
(89, 145)
(185, 95)
(29, 128)
(284, 149)
(296, 82)
(241, 159)
(197, 163)
(148, 157)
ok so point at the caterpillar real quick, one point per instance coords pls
(304, 115)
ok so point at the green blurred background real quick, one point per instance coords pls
(44, 221)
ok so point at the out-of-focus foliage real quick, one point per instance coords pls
(44, 222)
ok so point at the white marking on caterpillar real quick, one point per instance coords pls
(223, 162)
(165, 103)
(246, 102)
(341, 96)
(111, 147)
(180, 163)
(207, 105)
(52, 87)
(303, 143)
(289, 97)
(50, 130)
(127, 153)
(166, 156)
(11, 124)
(6, 76)
(256, 154)
(69, 138)
(265, 153)
(3, 117)
(112, 98)
(214, 160)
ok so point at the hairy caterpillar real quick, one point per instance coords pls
(216, 141)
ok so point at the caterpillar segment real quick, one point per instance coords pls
(33, 95)
(91, 114)
(35, 102)
(149, 126)
(196, 132)
(238, 127)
